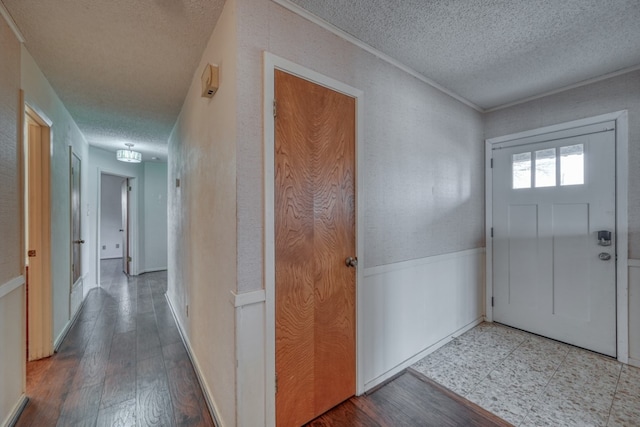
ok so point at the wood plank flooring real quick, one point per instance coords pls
(122, 364)
(409, 400)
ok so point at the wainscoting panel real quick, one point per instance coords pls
(412, 308)
(250, 353)
(634, 312)
(12, 349)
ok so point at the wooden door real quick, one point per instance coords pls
(314, 233)
(38, 238)
(553, 275)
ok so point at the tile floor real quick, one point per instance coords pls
(533, 381)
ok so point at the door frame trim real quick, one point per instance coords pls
(272, 63)
(72, 153)
(44, 334)
(621, 119)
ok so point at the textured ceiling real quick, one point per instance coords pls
(494, 52)
(121, 67)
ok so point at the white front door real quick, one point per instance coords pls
(554, 263)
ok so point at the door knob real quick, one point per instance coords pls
(604, 256)
(351, 261)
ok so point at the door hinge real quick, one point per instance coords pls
(491, 232)
(491, 163)
(491, 301)
(276, 383)
(130, 188)
(129, 258)
(275, 108)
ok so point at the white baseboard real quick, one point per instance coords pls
(15, 413)
(427, 351)
(152, 269)
(208, 396)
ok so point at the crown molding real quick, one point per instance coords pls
(362, 45)
(11, 23)
(566, 88)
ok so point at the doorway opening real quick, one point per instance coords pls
(115, 225)
(37, 216)
(77, 241)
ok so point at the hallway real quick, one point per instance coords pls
(122, 363)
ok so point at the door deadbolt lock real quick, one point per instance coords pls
(604, 256)
(351, 261)
(604, 238)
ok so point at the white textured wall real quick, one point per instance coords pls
(40, 95)
(102, 161)
(10, 260)
(111, 217)
(202, 217)
(155, 217)
(423, 185)
(614, 94)
(12, 316)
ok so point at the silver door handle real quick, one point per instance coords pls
(604, 256)
(351, 261)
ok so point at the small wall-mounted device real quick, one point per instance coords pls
(209, 81)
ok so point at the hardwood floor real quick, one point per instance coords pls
(122, 364)
(409, 400)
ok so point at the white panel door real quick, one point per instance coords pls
(552, 275)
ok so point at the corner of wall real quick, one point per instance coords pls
(202, 220)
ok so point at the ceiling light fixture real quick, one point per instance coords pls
(129, 155)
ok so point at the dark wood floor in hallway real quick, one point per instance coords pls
(409, 400)
(122, 363)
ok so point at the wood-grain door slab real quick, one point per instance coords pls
(314, 233)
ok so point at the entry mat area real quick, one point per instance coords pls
(532, 381)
